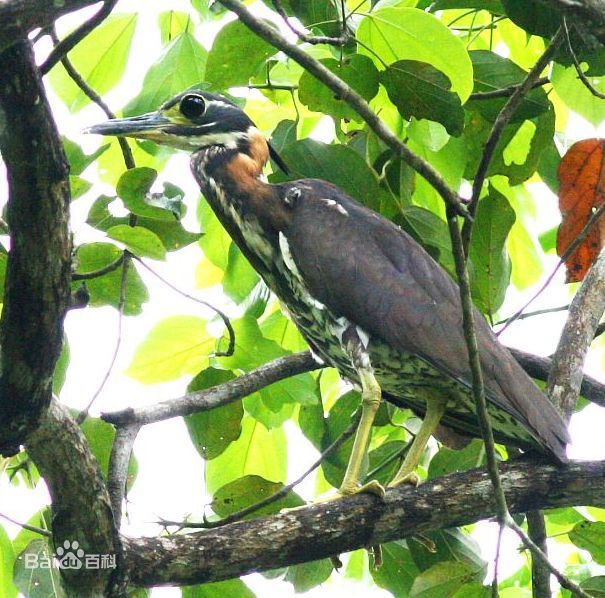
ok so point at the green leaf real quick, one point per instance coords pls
(358, 72)
(534, 17)
(249, 490)
(236, 55)
(174, 347)
(7, 558)
(337, 164)
(37, 581)
(214, 430)
(240, 277)
(449, 545)
(420, 90)
(61, 366)
(216, 241)
(411, 34)
(595, 586)
(383, 458)
(306, 576)
(105, 290)
(590, 535)
(100, 436)
(171, 232)
(271, 417)
(492, 72)
(442, 580)
(140, 241)
(398, 569)
(78, 186)
(78, 160)
(575, 94)
(181, 66)
(448, 460)
(494, 6)
(100, 58)
(231, 588)
(491, 268)
(283, 331)
(310, 12)
(256, 452)
(172, 24)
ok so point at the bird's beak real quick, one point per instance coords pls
(146, 126)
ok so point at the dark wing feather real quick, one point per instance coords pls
(365, 268)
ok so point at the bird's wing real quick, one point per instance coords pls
(365, 268)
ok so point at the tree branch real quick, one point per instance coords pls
(585, 313)
(352, 98)
(19, 17)
(37, 291)
(231, 391)
(329, 529)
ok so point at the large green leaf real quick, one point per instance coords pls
(420, 90)
(138, 240)
(105, 290)
(448, 460)
(308, 575)
(494, 6)
(492, 72)
(491, 268)
(176, 346)
(214, 430)
(7, 558)
(534, 17)
(100, 58)
(395, 34)
(590, 535)
(181, 65)
(249, 490)
(171, 232)
(594, 586)
(172, 24)
(240, 278)
(398, 569)
(78, 160)
(256, 452)
(236, 56)
(442, 580)
(37, 581)
(231, 588)
(358, 72)
(337, 164)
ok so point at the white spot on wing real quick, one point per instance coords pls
(335, 206)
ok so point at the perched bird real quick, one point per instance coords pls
(368, 299)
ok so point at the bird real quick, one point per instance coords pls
(368, 299)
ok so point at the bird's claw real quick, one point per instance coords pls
(411, 479)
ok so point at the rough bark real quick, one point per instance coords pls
(19, 17)
(331, 528)
(37, 289)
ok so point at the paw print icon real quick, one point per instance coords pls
(69, 556)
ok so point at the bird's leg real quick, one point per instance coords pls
(406, 474)
(370, 401)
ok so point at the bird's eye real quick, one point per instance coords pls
(192, 106)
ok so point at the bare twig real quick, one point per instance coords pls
(581, 75)
(75, 37)
(505, 92)
(218, 312)
(119, 461)
(353, 99)
(231, 391)
(94, 97)
(239, 515)
(500, 123)
(578, 240)
(100, 272)
(341, 40)
(28, 527)
(537, 312)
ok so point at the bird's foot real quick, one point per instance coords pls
(372, 487)
(409, 479)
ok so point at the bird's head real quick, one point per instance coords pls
(191, 121)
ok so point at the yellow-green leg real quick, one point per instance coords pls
(406, 473)
(370, 401)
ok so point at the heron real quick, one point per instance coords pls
(368, 299)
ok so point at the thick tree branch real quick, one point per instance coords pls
(19, 17)
(324, 530)
(81, 508)
(37, 291)
(585, 313)
(352, 98)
